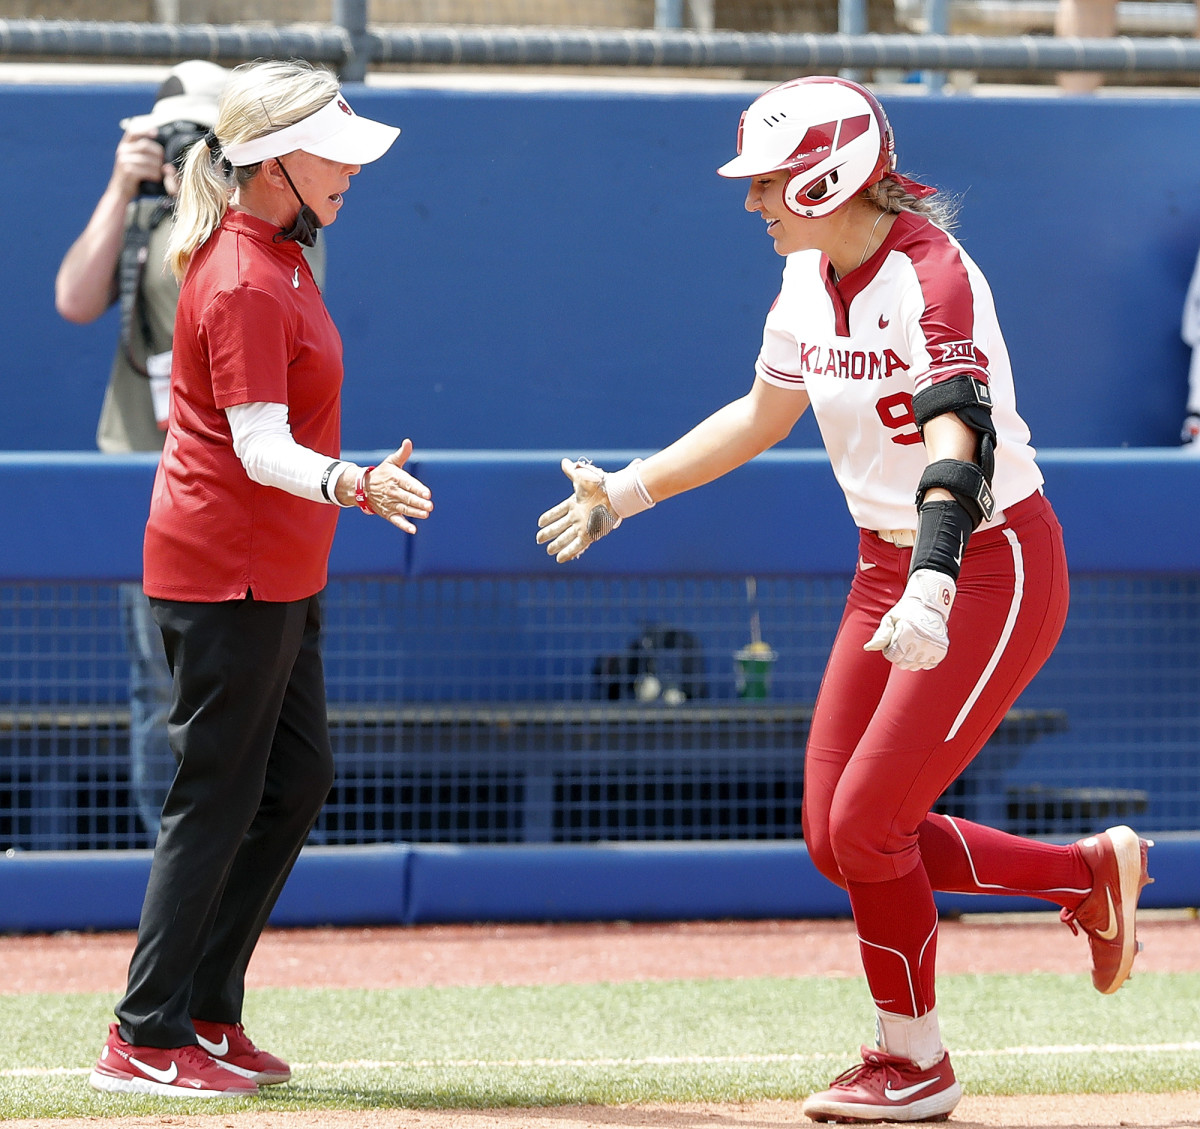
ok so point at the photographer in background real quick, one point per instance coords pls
(120, 257)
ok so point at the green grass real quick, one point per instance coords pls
(716, 1040)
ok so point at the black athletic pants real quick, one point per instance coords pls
(249, 729)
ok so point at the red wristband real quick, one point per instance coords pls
(360, 491)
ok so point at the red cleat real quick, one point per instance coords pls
(1117, 859)
(887, 1088)
(178, 1072)
(229, 1044)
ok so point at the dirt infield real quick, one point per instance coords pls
(560, 954)
(476, 955)
(1078, 1111)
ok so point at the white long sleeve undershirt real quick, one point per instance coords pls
(263, 441)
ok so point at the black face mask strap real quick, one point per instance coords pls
(304, 228)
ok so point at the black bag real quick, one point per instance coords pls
(662, 662)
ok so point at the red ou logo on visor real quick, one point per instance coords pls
(344, 108)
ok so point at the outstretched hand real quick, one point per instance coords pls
(584, 516)
(395, 494)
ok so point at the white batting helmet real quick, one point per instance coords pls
(829, 133)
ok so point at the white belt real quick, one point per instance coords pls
(907, 538)
(901, 538)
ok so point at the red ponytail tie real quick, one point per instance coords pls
(912, 187)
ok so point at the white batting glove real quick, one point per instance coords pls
(584, 516)
(597, 506)
(913, 634)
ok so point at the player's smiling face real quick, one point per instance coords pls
(790, 231)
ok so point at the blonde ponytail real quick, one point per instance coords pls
(202, 202)
(890, 195)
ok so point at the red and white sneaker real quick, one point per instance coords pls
(887, 1088)
(229, 1044)
(180, 1072)
(1117, 859)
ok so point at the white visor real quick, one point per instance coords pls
(334, 132)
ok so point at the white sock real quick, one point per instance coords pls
(919, 1040)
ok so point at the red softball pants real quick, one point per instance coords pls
(885, 743)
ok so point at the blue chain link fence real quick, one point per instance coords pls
(516, 709)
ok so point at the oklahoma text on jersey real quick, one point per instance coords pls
(847, 364)
(918, 311)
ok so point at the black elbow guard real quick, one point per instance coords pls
(971, 400)
(966, 482)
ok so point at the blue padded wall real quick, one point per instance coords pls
(423, 884)
(516, 254)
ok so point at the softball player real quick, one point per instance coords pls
(888, 330)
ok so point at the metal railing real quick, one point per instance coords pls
(1133, 17)
(351, 46)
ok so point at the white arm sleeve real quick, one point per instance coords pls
(262, 440)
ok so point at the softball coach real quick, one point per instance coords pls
(241, 521)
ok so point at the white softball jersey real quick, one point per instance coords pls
(918, 312)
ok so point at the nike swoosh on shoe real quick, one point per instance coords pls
(166, 1077)
(1110, 931)
(217, 1050)
(907, 1091)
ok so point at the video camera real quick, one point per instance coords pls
(176, 138)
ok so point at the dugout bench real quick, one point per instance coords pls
(477, 773)
(593, 771)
